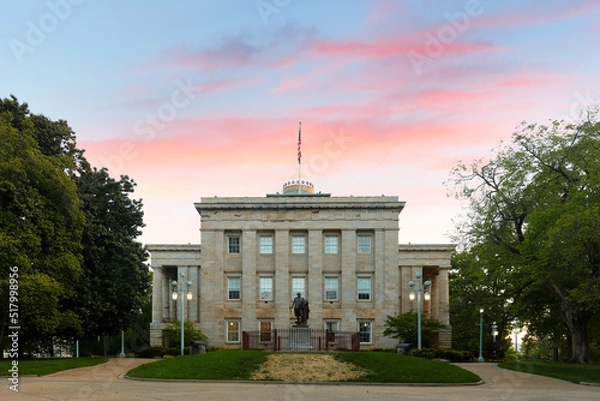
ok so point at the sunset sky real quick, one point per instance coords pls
(203, 98)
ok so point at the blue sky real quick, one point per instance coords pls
(203, 98)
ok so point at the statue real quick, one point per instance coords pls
(301, 310)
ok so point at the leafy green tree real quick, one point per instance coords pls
(474, 286)
(115, 278)
(405, 327)
(41, 227)
(537, 204)
(172, 334)
(69, 228)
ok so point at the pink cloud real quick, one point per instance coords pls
(302, 81)
(398, 45)
(550, 11)
(381, 11)
(221, 84)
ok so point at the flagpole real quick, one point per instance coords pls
(299, 155)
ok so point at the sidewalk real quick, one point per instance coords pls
(105, 383)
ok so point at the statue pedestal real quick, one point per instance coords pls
(300, 338)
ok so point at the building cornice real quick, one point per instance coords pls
(173, 247)
(300, 202)
(427, 247)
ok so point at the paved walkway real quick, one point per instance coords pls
(104, 383)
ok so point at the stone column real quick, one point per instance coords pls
(444, 297)
(435, 296)
(378, 280)
(315, 278)
(192, 305)
(157, 307)
(406, 274)
(249, 280)
(385, 287)
(348, 280)
(283, 298)
(212, 286)
(157, 300)
(168, 304)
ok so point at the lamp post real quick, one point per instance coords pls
(122, 354)
(495, 334)
(411, 296)
(188, 296)
(480, 359)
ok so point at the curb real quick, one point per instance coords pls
(145, 379)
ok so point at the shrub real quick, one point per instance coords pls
(454, 355)
(172, 334)
(404, 326)
(426, 353)
(383, 350)
(151, 352)
(160, 352)
(448, 354)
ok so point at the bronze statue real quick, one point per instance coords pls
(301, 309)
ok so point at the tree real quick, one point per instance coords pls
(172, 334)
(405, 326)
(474, 286)
(41, 227)
(115, 279)
(537, 203)
(69, 228)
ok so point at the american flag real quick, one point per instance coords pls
(299, 142)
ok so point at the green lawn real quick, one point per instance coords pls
(239, 365)
(45, 366)
(570, 372)
(218, 365)
(388, 367)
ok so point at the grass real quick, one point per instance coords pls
(46, 366)
(569, 372)
(388, 367)
(239, 365)
(218, 365)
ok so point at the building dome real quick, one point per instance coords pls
(296, 187)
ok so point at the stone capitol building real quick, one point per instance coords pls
(257, 253)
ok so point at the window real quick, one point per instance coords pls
(298, 244)
(298, 286)
(265, 288)
(364, 244)
(363, 286)
(331, 288)
(265, 244)
(234, 288)
(331, 244)
(233, 331)
(365, 328)
(332, 327)
(233, 244)
(265, 328)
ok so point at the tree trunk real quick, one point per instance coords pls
(577, 324)
(1, 340)
(105, 338)
(580, 346)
